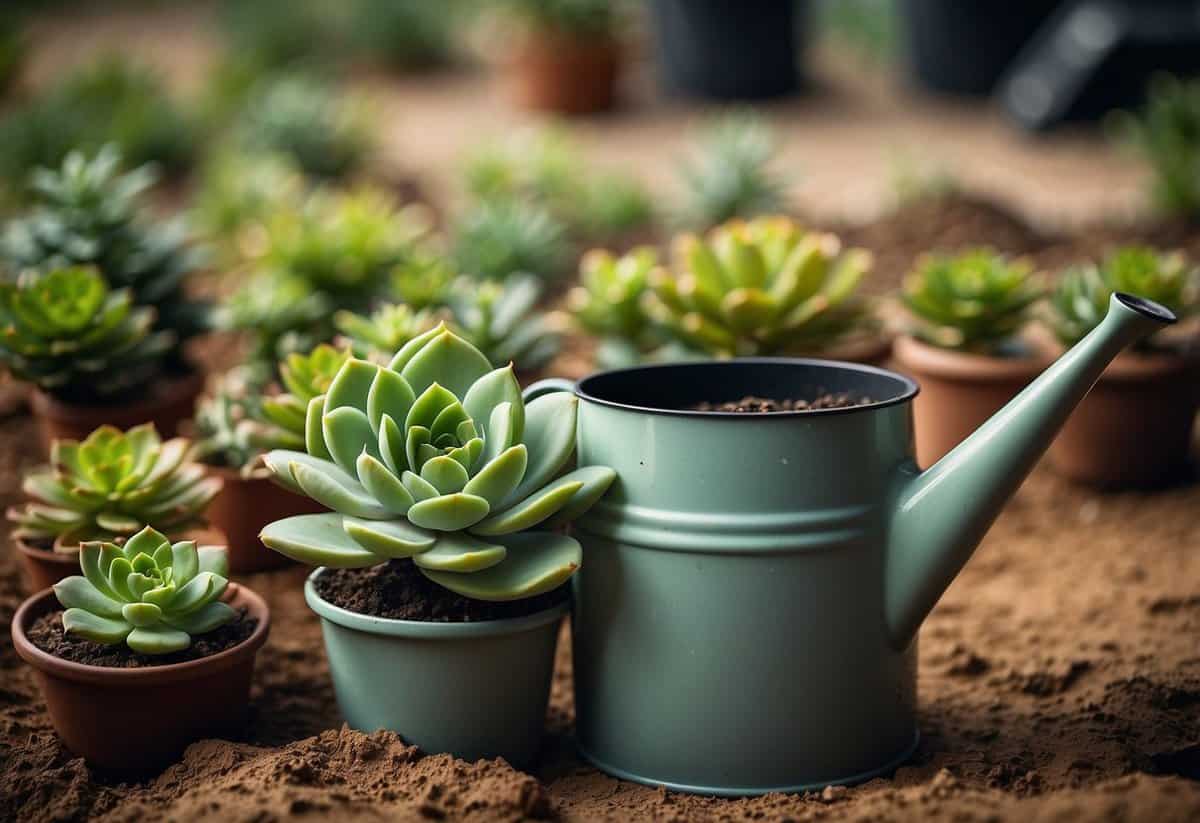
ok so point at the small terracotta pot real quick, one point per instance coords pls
(135, 721)
(43, 568)
(554, 71)
(1134, 428)
(243, 507)
(959, 391)
(167, 405)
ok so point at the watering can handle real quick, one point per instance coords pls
(550, 384)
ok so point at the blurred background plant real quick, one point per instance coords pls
(608, 303)
(584, 18)
(231, 426)
(406, 34)
(13, 46)
(728, 173)
(382, 333)
(305, 377)
(1166, 133)
(500, 318)
(499, 237)
(235, 193)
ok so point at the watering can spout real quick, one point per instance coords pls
(939, 515)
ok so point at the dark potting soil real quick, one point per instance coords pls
(45, 544)
(752, 405)
(397, 590)
(47, 634)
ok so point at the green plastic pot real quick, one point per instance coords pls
(745, 619)
(475, 690)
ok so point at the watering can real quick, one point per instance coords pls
(745, 620)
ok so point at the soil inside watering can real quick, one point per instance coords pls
(757, 405)
(397, 590)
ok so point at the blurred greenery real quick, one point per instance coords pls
(1166, 133)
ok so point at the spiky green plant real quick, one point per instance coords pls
(406, 34)
(976, 300)
(326, 134)
(611, 204)
(1080, 299)
(231, 425)
(1167, 135)
(384, 331)
(495, 239)
(112, 484)
(729, 174)
(92, 214)
(501, 320)
(149, 594)
(608, 303)
(423, 278)
(306, 376)
(68, 334)
(437, 457)
(280, 315)
(237, 191)
(761, 287)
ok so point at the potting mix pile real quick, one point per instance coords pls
(1059, 676)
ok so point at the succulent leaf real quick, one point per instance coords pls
(318, 540)
(534, 563)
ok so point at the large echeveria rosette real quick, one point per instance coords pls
(436, 457)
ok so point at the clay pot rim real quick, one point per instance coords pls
(421, 629)
(970, 367)
(44, 601)
(51, 556)
(46, 405)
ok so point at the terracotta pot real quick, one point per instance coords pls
(959, 391)
(1134, 428)
(243, 507)
(170, 403)
(42, 568)
(552, 71)
(134, 721)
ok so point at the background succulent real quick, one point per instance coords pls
(976, 299)
(1167, 135)
(90, 213)
(236, 193)
(423, 278)
(495, 239)
(501, 320)
(231, 427)
(405, 34)
(69, 335)
(729, 174)
(305, 376)
(383, 332)
(584, 18)
(280, 315)
(112, 484)
(437, 457)
(761, 287)
(1080, 299)
(608, 304)
(149, 594)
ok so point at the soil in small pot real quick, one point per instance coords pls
(398, 591)
(757, 405)
(48, 635)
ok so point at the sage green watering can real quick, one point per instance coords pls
(746, 615)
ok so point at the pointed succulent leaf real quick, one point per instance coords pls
(500, 476)
(384, 486)
(501, 432)
(278, 463)
(330, 486)
(596, 481)
(348, 434)
(410, 349)
(94, 570)
(157, 639)
(535, 563)
(199, 590)
(351, 386)
(105, 630)
(445, 474)
(532, 510)
(461, 553)
(488, 392)
(141, 614)
(147, 542)
(204, 619)
(550, 438)
(449, 512)
(429, 405)
(390, 539)
(446, 359)
(214, 560)
(418, 487)
(314, 429)
(185, 563)
(418, 437)
(317, 540)
(78, 593)
(392, 445)
(390, 395)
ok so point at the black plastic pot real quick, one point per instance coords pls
(729, 49)
(958, 47)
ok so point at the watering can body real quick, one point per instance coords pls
(746, 615)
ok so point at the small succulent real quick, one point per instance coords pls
(384, 331)
(92, 214)
(729, 173)
(305, 376)
(231, 426)
(237, 192)
(437, 457)
(761, 287)
(149, 594)
(608, 303)
(611, 204)
(976, 300)
(500, 319)
(495, 239)
(327, 135)
(1167, 135)
(274, 34)
(281, 315)
(112, 484)
(1080, 300)
(68, 334)
(423, 278)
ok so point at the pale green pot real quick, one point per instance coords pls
(475, 690)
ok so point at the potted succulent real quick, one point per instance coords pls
(232, 429)
(966, 349)
(501, 319)
(144, 652)
(106, 487)
(92, 215)
(1134, 428)
(728, 173)
(608, 304)
(763, 287)
(497, 238)
(383, 332)
(433, 580)
(566, 55)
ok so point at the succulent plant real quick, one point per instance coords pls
(608, 303)
(977, 299)
(237, 191)
(437, 457)
(384, 331)
(761, 287)
(611, 204)
(582, 18)
(423, 278)
(231, 426)
(407, 34)
(305, 376)
(326, 134)
(282, 316)
(728, 175)
(1167, 135)
(1080, 300)
(112, 484)
(274, 34)
(495, 239)
(91, 213)
(69, 335)
(500, 319)
(149, 594)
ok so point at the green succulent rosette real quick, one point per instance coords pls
(306, 377)
(436, 457)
